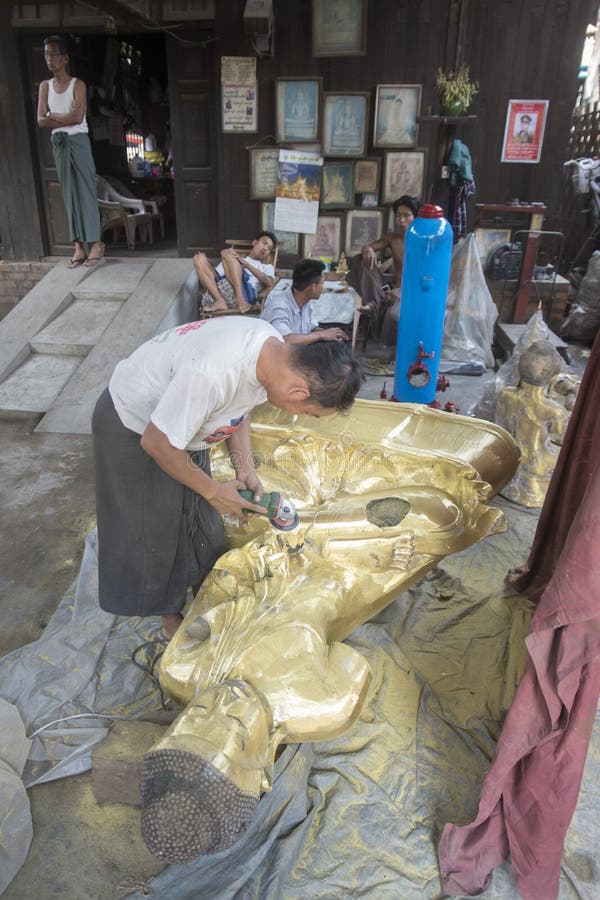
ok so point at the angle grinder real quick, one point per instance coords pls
(280, 512)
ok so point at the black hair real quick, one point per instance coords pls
(525, 116)
(413, 203)
(60, 42)
(306, 272)
(332, 372)
(268, 234)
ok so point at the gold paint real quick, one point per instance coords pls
(383, 493)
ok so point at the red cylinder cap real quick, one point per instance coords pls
(430, 211)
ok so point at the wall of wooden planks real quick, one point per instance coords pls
(527, 49)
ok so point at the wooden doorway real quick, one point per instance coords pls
(194, 123)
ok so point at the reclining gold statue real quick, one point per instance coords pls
(382, 494)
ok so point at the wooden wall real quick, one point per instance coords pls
(21, 232)
(527, 49)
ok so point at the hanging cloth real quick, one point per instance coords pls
(462, 185)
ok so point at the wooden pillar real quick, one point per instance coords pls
(21, 218)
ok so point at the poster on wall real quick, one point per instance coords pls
(239, 106)
(298, 191)
(524, 131)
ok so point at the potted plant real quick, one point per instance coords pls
(455, 91)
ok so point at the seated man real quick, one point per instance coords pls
(382, 292)
(237, 279)
(291, 311)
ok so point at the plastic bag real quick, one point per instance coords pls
(470, 310)
(583, 320)
(508, 373)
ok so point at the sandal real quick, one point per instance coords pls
(76, 261)
(92, 260)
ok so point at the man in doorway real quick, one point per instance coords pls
(238, 279)
(291, 311)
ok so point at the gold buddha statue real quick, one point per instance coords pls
(382, 494)
(536, 414)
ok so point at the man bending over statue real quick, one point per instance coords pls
(158, 509)
(237, 279)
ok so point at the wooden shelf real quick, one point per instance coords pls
(446, 120)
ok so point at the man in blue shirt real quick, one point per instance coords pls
(291, 311)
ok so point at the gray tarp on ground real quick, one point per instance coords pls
(361, 815)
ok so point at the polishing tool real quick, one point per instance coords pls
(280, 511)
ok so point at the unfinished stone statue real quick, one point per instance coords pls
(382, 493)
(536, 413)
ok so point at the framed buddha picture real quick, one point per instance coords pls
(297, 109)
(345, 118)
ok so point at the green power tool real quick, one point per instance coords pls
(280, 512)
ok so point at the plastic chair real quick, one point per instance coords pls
(153, 206)
(118, 211)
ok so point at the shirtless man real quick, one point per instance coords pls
(237, 279)
(382, 292)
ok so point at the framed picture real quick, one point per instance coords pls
(403, 173)
(264, 163)
(486, 238)
(327, 242)
(297, 109)
(524, 131)
(362, 227)
(338, 185)
(371, 200)
(305, 148)
(366, 176)
(396, 109)
(339, 27)
(287, 241)
(345, 119)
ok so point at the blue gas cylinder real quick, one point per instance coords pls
(425, 275)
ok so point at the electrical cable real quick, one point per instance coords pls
(114, 716)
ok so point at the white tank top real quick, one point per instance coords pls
(62, 103)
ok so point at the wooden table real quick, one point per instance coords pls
(536, 213)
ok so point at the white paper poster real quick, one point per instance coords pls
(239, 104)
(298, 191)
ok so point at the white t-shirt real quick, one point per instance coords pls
(265, 268)
(196, 382)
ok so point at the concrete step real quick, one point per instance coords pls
(60, 344)
(79, 327)
(34, 386)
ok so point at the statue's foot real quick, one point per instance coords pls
(189, 808)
